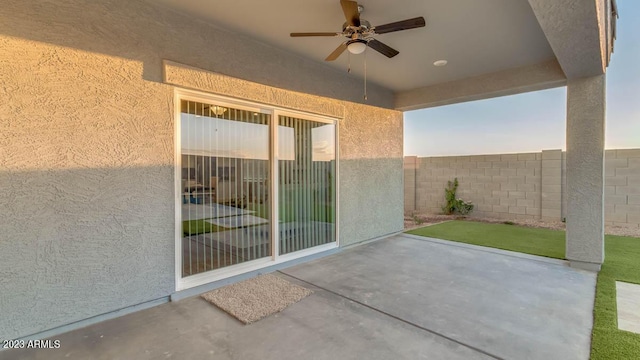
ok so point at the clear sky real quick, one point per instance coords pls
(534, 121)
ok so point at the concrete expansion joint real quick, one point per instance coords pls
(486, 249)
(433, 332)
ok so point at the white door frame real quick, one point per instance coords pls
(275, 258)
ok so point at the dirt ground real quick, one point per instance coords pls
(413, 221)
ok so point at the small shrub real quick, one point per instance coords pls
(464, 207)
(508, 223)
(417, 219)
(454, 205)
(450, 197)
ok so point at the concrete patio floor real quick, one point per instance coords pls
(403, 297)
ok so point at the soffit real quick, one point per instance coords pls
(475, 37)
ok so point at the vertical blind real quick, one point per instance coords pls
(225, 185)
(306, 173)
(225, 193)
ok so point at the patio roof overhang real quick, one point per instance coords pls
(495, 48)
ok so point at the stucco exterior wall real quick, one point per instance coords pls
(521, 186)
(370, 162)
(87, 150)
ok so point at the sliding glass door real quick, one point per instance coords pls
(225, 197)
(306, 192)
(233, 159)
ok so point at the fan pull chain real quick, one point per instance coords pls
(349, 66)
(365, 72)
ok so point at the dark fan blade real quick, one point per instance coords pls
(400, 25)
(337, 52)
(382, 48)
(315, 34)
(351, 13)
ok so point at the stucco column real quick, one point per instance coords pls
(585, 172)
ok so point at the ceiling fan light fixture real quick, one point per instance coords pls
(440, 63)
(357, 46)
(217, 110)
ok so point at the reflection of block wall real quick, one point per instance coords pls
(521, 186)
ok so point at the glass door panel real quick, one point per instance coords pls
(224, 186)
(306, 183)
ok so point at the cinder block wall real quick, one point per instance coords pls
(410, 166)
(622, 187)
(520, 186)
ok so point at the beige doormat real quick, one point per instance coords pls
(254, 299)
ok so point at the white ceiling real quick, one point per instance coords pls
(475, 36)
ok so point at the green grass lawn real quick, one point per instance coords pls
(195, 227)
(622, 262)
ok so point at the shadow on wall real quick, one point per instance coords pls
(371, 199)
(82, 242)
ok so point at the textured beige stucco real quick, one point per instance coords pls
(86, 186)
(535, 77)
(147, 32)
(371, 185)
(576, 31)
(192, 78)
(87, 151)
(586, 99)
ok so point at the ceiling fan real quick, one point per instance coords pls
(360, 32)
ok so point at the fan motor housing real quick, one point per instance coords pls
(349, 30)
(359, 32)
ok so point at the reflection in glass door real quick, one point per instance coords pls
(224, 186)
(306, 183)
